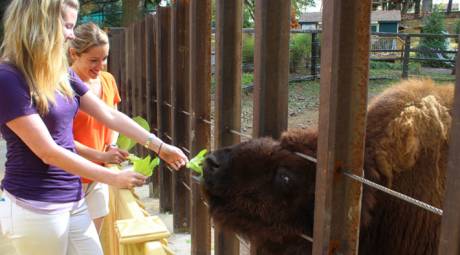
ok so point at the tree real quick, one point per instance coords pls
(298, 6)
(449, 7)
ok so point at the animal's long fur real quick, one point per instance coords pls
(263, 190)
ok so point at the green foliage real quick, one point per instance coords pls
(457, 27)
(247, 78)
(299, 48)
(196, 163)
(248, 49)
(433, 24)
(144, 166)
(414, 68)
(126, 143)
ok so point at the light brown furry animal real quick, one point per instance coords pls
(261, 189)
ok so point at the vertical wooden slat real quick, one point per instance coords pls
(133, 70)
(115, 58)
(343, 99)
(143, 70)
(228, 95)
(153, 105)
(163, 41)
(200, 83)
(128, 54)
(180, 80)
(271, 62)
(122, 71)
(449, 243)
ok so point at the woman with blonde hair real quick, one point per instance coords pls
(42, 209)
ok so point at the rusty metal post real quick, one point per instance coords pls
(342, 119)
(406, 56)
(181, 101)
(314, 53)
(200, 87)
(271, 62)
(229, 36)
(449, 243)
(163, 51)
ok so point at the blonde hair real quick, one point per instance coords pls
(34, 44)
(87, 36)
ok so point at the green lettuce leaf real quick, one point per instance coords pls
(126, 143)
(144, 166)
(196, 163)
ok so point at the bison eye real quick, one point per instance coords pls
(284, 179)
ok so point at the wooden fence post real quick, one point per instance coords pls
(163, 51)
(228, 95)
(200, 87)
(406, 57)
(342, 118)
(271, 62)
(180, 80)
(450, 227)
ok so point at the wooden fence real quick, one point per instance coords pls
(398, 47)
(162, 66)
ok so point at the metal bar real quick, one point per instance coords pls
(239, 133)
(433, 59)
(229, 22)
(384, 189)
(372, 51)
(450, 227)
(315, 44)
(342, 117)
(200, 84)
(187, 186)
(435, 51)
(180, 81)
(163, 41)
(271, 61)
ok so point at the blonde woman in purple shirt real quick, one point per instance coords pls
(42, 209)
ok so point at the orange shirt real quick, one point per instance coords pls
(89, 131)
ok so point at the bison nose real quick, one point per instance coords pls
(212, 164)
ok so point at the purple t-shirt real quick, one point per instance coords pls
(26, 175)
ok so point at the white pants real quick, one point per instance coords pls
(97, 199)
(69, 233)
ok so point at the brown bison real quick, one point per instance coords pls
(264, 191)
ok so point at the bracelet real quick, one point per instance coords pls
(159, 148)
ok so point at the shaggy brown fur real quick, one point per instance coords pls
(262, 190)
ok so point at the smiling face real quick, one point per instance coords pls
(69, 19)
(88, 64)
(260, 188)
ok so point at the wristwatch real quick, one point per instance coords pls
(149, 140)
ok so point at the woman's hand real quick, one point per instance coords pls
(114, 155)
(129, 179)
(173, 156)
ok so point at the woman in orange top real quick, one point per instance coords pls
(88, 54)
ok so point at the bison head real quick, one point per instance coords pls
(261, 188)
